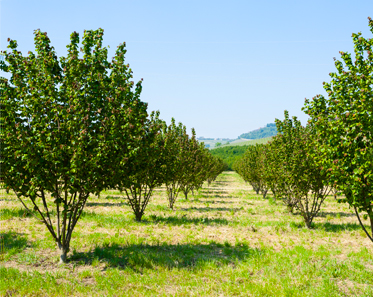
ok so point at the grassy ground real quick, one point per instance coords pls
(224, 241)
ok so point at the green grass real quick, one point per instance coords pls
(223, 241)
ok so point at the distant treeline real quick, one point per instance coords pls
(229, 154)
(269, 130)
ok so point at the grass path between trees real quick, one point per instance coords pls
(224, 241)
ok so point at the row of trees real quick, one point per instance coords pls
(74, 126)
(289, 166)
(334, 151)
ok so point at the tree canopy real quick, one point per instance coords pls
(344, 121)
(63, 123)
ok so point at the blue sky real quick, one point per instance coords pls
(222, 67)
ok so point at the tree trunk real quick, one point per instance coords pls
(308, 222)
(63, 253)
(264, 193)
(138, 216)
(274, 194)
(362, 225)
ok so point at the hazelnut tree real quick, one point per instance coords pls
(64, 122)
(302, 182)
(344, 121)
(251, 168)
(144, 169)
(175, 144)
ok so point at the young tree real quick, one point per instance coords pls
(272, 168)
(302, 181)
(175, 144)
(63, 123)
(214, 166)
(345, 122)
(251, 168)
(143, 170)
(194, 165)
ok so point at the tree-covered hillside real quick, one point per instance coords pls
(229, 154)
(269, 130)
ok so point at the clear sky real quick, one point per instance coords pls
(222, 67)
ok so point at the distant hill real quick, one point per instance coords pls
(267, 131)
(245, 142)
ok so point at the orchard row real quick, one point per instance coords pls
(334, 152)
(74, 126)
(290, 167)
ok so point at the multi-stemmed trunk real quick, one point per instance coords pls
(139, 197)
(186, 189)
(309, 204)
(274, 192)
(256, 187)
(69, 208)
(172, 192)
(264, 192)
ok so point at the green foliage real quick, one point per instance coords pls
(344, 120)
(218, 144)
(229, 154)
(214, 166)
(268, 131)
(187, 162)
(144, 169)
(175, 144)
(251, 168)
(289, 165)
(301, 180)
(195, 165)
(65, 123)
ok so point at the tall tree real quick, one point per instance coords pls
(303, 183)
(176, 145)
(344, 120)
(63, 123)
(194, 164)
(144, 169)
(251, 168)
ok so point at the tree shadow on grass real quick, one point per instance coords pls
(211, 195)
(8, 213)
(331, 227)
(212, 191)
(206, 209)
(91, 204)
(12, 242)
(140, 256)
(212, 201)
(219, 183)
(184, 220)
(323, 214)
(8, 199)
